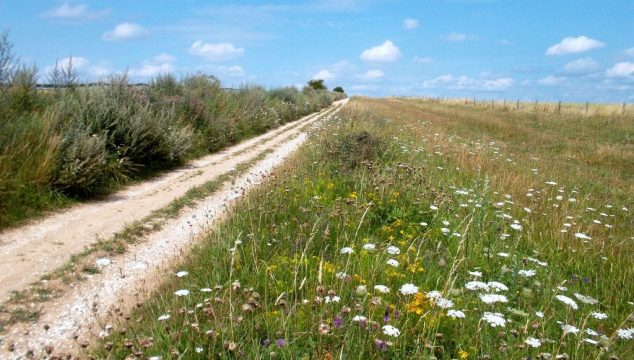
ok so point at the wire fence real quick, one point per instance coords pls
(579, 109)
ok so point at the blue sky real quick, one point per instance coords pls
(527, 50)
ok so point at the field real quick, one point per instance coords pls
(409, 228)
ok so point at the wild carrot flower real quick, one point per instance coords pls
(456, 314)
(390, 330)
(494, 319)
(369, 247)
(382, 289)
(183, 292)
(408, 289)
(347, 250)
(533, 342)
(393, 250)
(493, 298)
(568, 301)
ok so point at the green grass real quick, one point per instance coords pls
(275, 280)
(63, 146)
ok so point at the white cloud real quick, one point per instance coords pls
(466, 83)
(151, 70)
(551, 80)
(372, 75)
(324, 74)
(216, 51)
(458, 37)
(410, 24)
(385, 52)
(125, 31)
(160, 64)
(622, 69)
(422, 59)
(581, 66)
(334, 71)
(163, 57)
(69, 11)
(78, 62)
(83, 67)
(233, 71)
(572, 45)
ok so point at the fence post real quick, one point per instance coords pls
(474, 102)
(623, 109)
(492, 104)
(559, 107)
(517, 106)
(587, 105)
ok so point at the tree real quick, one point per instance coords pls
(63, 74)
(7, 58)
(338, 89)
(317, 84)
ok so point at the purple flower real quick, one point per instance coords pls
(280, 342)
(337, 322)
(380, 344)
(586, 280)
(266, 342)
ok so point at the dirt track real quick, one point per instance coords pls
(31, 251)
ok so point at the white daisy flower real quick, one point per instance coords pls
(183, 292)
(369, 247)
(568, 301)
(361, 290)
(163, 317)
(182, 273)
(359, 318)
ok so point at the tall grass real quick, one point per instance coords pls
(378, 241)
(76, 143)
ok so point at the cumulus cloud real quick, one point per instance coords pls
(160, 64)
(622, 69)
(324, 74)
(125, 31)
(581, 66)
(573, 45)
(458, 37)
(385, 52)
(215, 51)
(551, 80)
(69, 11)
(372, 75)
(410, 24)
(466, 83)
(334, 71)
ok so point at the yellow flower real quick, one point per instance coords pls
(463, 354)
(419, 304)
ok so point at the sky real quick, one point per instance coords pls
(544, 50)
